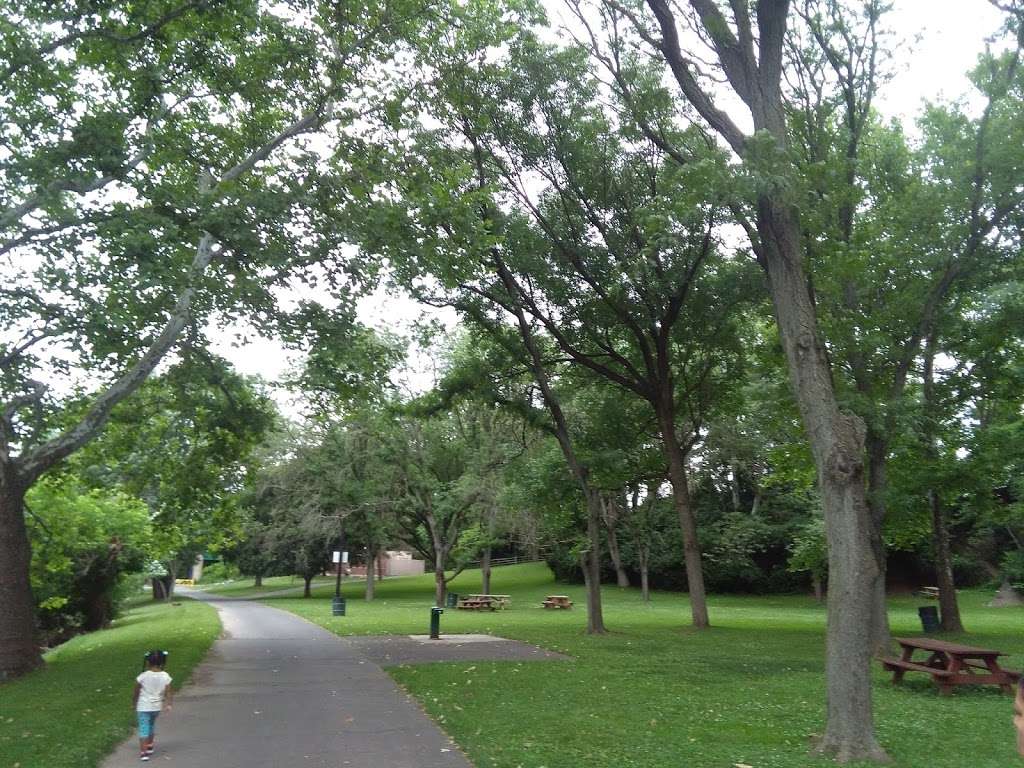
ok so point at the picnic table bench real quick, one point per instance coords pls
(483, 602)
(932, 593)
(951, 664)
(557, 601)
(497, 601)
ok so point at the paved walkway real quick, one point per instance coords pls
(278, 692)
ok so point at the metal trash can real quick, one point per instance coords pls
(929, 618)
(338, 606)
(435, 623)
(451, 600)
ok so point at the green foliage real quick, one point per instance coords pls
(218, 572)
(83, 542)
(184, 444)
(809, 550)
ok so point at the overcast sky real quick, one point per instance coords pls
(942, 40)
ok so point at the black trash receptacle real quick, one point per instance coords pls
(451, 600)
(338, 606)
(929, 618)
(435, 623)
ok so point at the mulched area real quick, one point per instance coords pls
(393, 650)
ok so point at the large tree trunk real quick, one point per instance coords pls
(621, 577)
(681, 497)
(19, 651)
(592, 566)
(643, 555)
(734, 483)
(440, 585)
(163, 586)
(97, 584)
(371, 570)
(258, 580)
(611, 519)
(580, 472)
(485, 570)
(878, 482)
(171, 579)
(837, 443)
(949, 609)
(485, 559)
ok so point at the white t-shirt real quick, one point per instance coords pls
(152, 686)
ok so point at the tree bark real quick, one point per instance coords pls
(643, 555)
(19, 650)
(308, 580)
(579, 472)
(611, 520)
(949, 608)
(621, 577)
(878, 482)
(162, 587)
(440, 587)
(836, 438)
(258, 580)
(371, 572)
(485, 559)
(734, 484)
(592, 563)
(837, 443)
(681, 498)
(485, 570)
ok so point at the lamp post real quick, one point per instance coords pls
(340, 557)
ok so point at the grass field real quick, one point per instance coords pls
(244, 587)
(73, 711)
(657, 694)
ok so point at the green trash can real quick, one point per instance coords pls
(435, 623)
(338, 606)
(929, 618)
(451, 600)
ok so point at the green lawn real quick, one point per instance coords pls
(244, 587)
(77, 708)
(657, 694)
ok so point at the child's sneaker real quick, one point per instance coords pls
(144, 757)
(150, 750)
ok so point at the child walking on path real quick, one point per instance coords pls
(152, 693)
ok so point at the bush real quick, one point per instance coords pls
(83, 542)
(220, 571)
(1013, 568)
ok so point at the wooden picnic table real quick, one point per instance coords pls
(472, 604)
(557, 601)
(951, 664)
(496, 601)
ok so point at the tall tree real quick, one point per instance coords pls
(747, 45)
(908, 230)
(615, 254)
(506, 357)
(145, 188)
